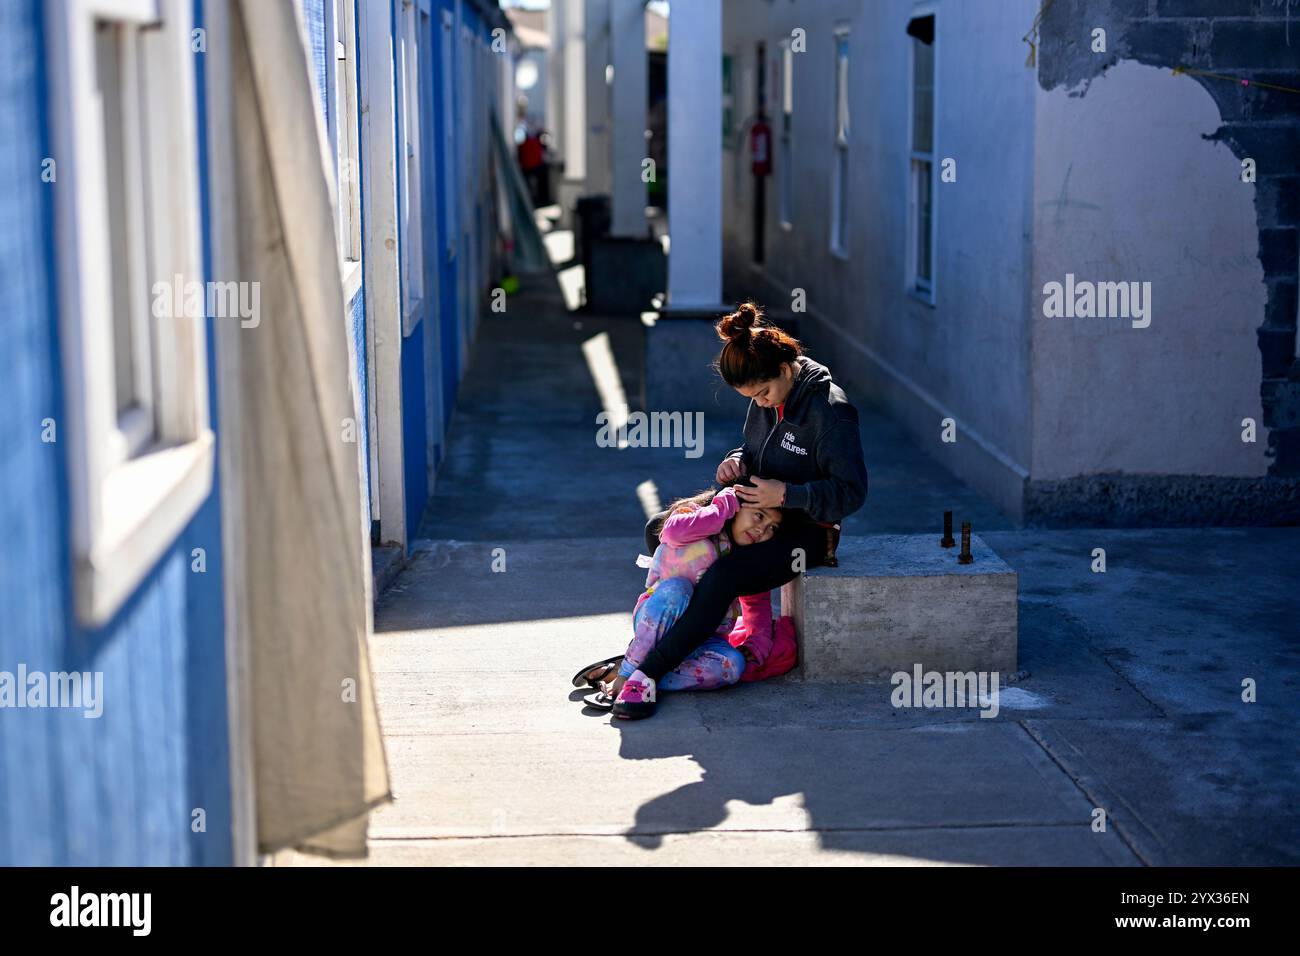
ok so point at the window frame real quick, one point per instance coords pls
(728, 101)
(135, 429)
(410, 188)
(448, 78)
(129, 501)
(923, 290)
(785, 191)
(344, 135)
(839, 213)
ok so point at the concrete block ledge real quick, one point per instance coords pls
(900, 600)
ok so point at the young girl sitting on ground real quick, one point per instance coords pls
(697, 531)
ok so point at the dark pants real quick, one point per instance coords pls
(538, 182)
(749, 569)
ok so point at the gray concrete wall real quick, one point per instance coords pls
(966, 357)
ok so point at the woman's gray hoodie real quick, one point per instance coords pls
(815, 448)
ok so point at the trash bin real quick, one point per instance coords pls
(591, 221)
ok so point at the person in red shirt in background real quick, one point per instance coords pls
(532, 161)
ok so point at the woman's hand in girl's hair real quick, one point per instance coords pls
(729, 470)
(765, 493)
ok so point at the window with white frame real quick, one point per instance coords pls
(412, 251)
(451, 194)
(920, 220)
(132, 299)
(785, 90)
(840, 168)
(343, 119)
(728, 101)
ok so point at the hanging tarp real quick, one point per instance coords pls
(319, 764)
(529, 254)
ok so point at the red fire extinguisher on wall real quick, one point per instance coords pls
(760, 147)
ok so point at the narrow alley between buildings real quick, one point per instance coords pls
(525, 570)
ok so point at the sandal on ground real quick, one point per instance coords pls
(593, 674)
(599, 700)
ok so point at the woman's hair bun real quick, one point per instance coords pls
(737, 324)
(755, 351)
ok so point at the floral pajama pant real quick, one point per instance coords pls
(713, 664)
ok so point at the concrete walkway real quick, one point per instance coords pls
(1129, 697)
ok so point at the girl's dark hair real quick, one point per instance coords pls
(700, 500)
(754, 350)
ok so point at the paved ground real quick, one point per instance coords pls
(1131, 701)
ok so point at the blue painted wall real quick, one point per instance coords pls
(414, 437)
(415, 383)
(429, 223)
(118, 789)
(445, 77)
(455, 278)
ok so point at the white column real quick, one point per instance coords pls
(695, 154)
(575, 92)
(597, 41)
(555, 105)
(383, 273)
(506, 92)
(627, 133)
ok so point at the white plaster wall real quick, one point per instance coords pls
(967, 356)
(1125, 188)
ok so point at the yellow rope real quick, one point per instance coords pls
(1244, 81)
(1031, 60)
(1033, 32)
